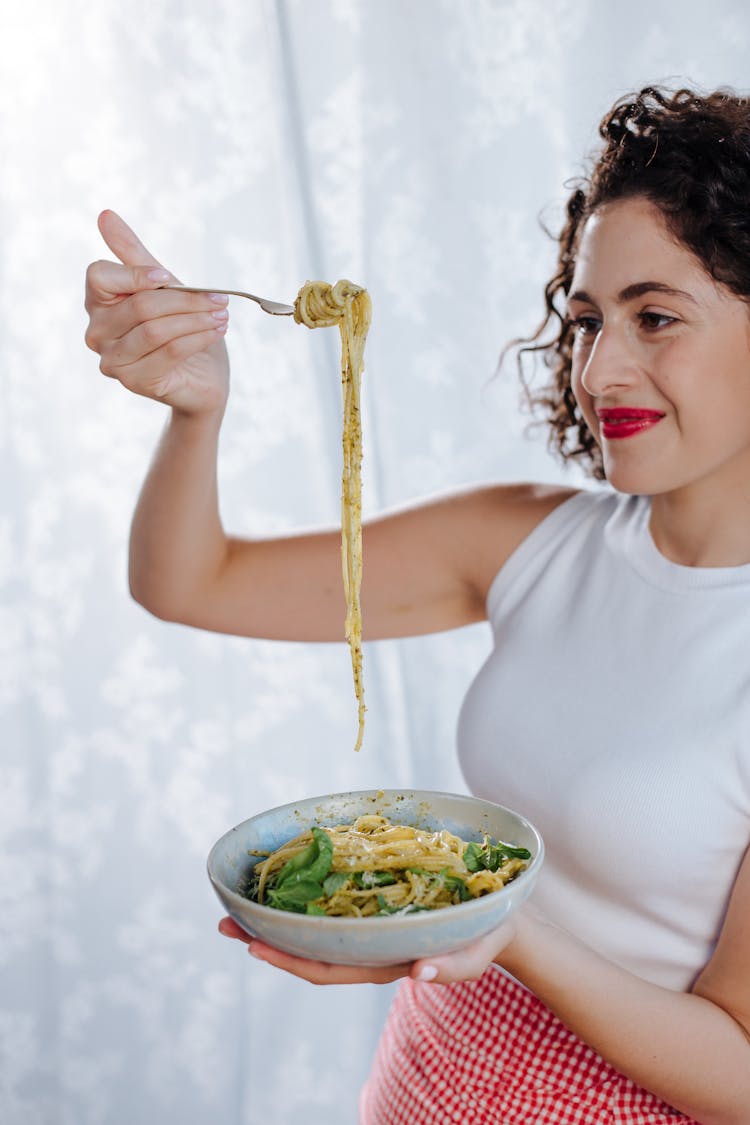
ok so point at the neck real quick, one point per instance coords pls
(695, 527)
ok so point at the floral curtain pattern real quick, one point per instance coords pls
(410, 145)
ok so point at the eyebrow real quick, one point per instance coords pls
(636, 290)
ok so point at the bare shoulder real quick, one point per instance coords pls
(446, 550)
(473, 529)
(528, 500)
(525, 503)
(504, 515)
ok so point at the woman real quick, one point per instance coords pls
(622, 992)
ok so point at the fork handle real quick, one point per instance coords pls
(275, 308)
(197, 289)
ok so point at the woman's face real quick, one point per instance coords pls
(661, 357)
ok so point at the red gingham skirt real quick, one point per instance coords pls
(487, 1052)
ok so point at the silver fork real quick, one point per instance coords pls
(275, 308)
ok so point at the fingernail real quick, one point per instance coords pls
(158, 275)
(220, 314)
(220, 298)
(253, 951)
(429, 972)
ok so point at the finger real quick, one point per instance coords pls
(229, 928)
(124, 242)
(449, 969)
(464, 964)
(120, 316)
(320, 972)
(156, 375)
(132, 296)
(159, 332)
(108, 282)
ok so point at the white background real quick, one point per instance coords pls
(410, 145)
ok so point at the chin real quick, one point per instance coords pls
(632, 480)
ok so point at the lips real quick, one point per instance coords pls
(626, 421)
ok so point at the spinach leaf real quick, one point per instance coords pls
(300, 881)
(295, 895)
(498, 853)
(454, 884)
(334, 882)
(490, 855)
(474, 857)
(314, 862)
(366, 879)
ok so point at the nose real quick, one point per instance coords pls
(610, 363)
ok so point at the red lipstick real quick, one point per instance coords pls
(626, 421)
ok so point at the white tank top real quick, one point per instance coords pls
(614, 712)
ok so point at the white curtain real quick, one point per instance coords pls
(410, 145)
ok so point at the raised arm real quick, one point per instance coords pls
(426, 567)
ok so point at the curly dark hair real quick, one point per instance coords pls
(689, 154)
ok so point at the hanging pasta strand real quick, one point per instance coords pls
(320, 305)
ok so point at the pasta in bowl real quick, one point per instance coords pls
(376, 877)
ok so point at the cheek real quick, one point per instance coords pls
(581, 395)
(576, 384)
(696, 381)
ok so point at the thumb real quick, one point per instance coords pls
(124, 242)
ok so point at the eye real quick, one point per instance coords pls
(653, 321)
(586, 325)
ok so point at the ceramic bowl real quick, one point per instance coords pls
(377, 940)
